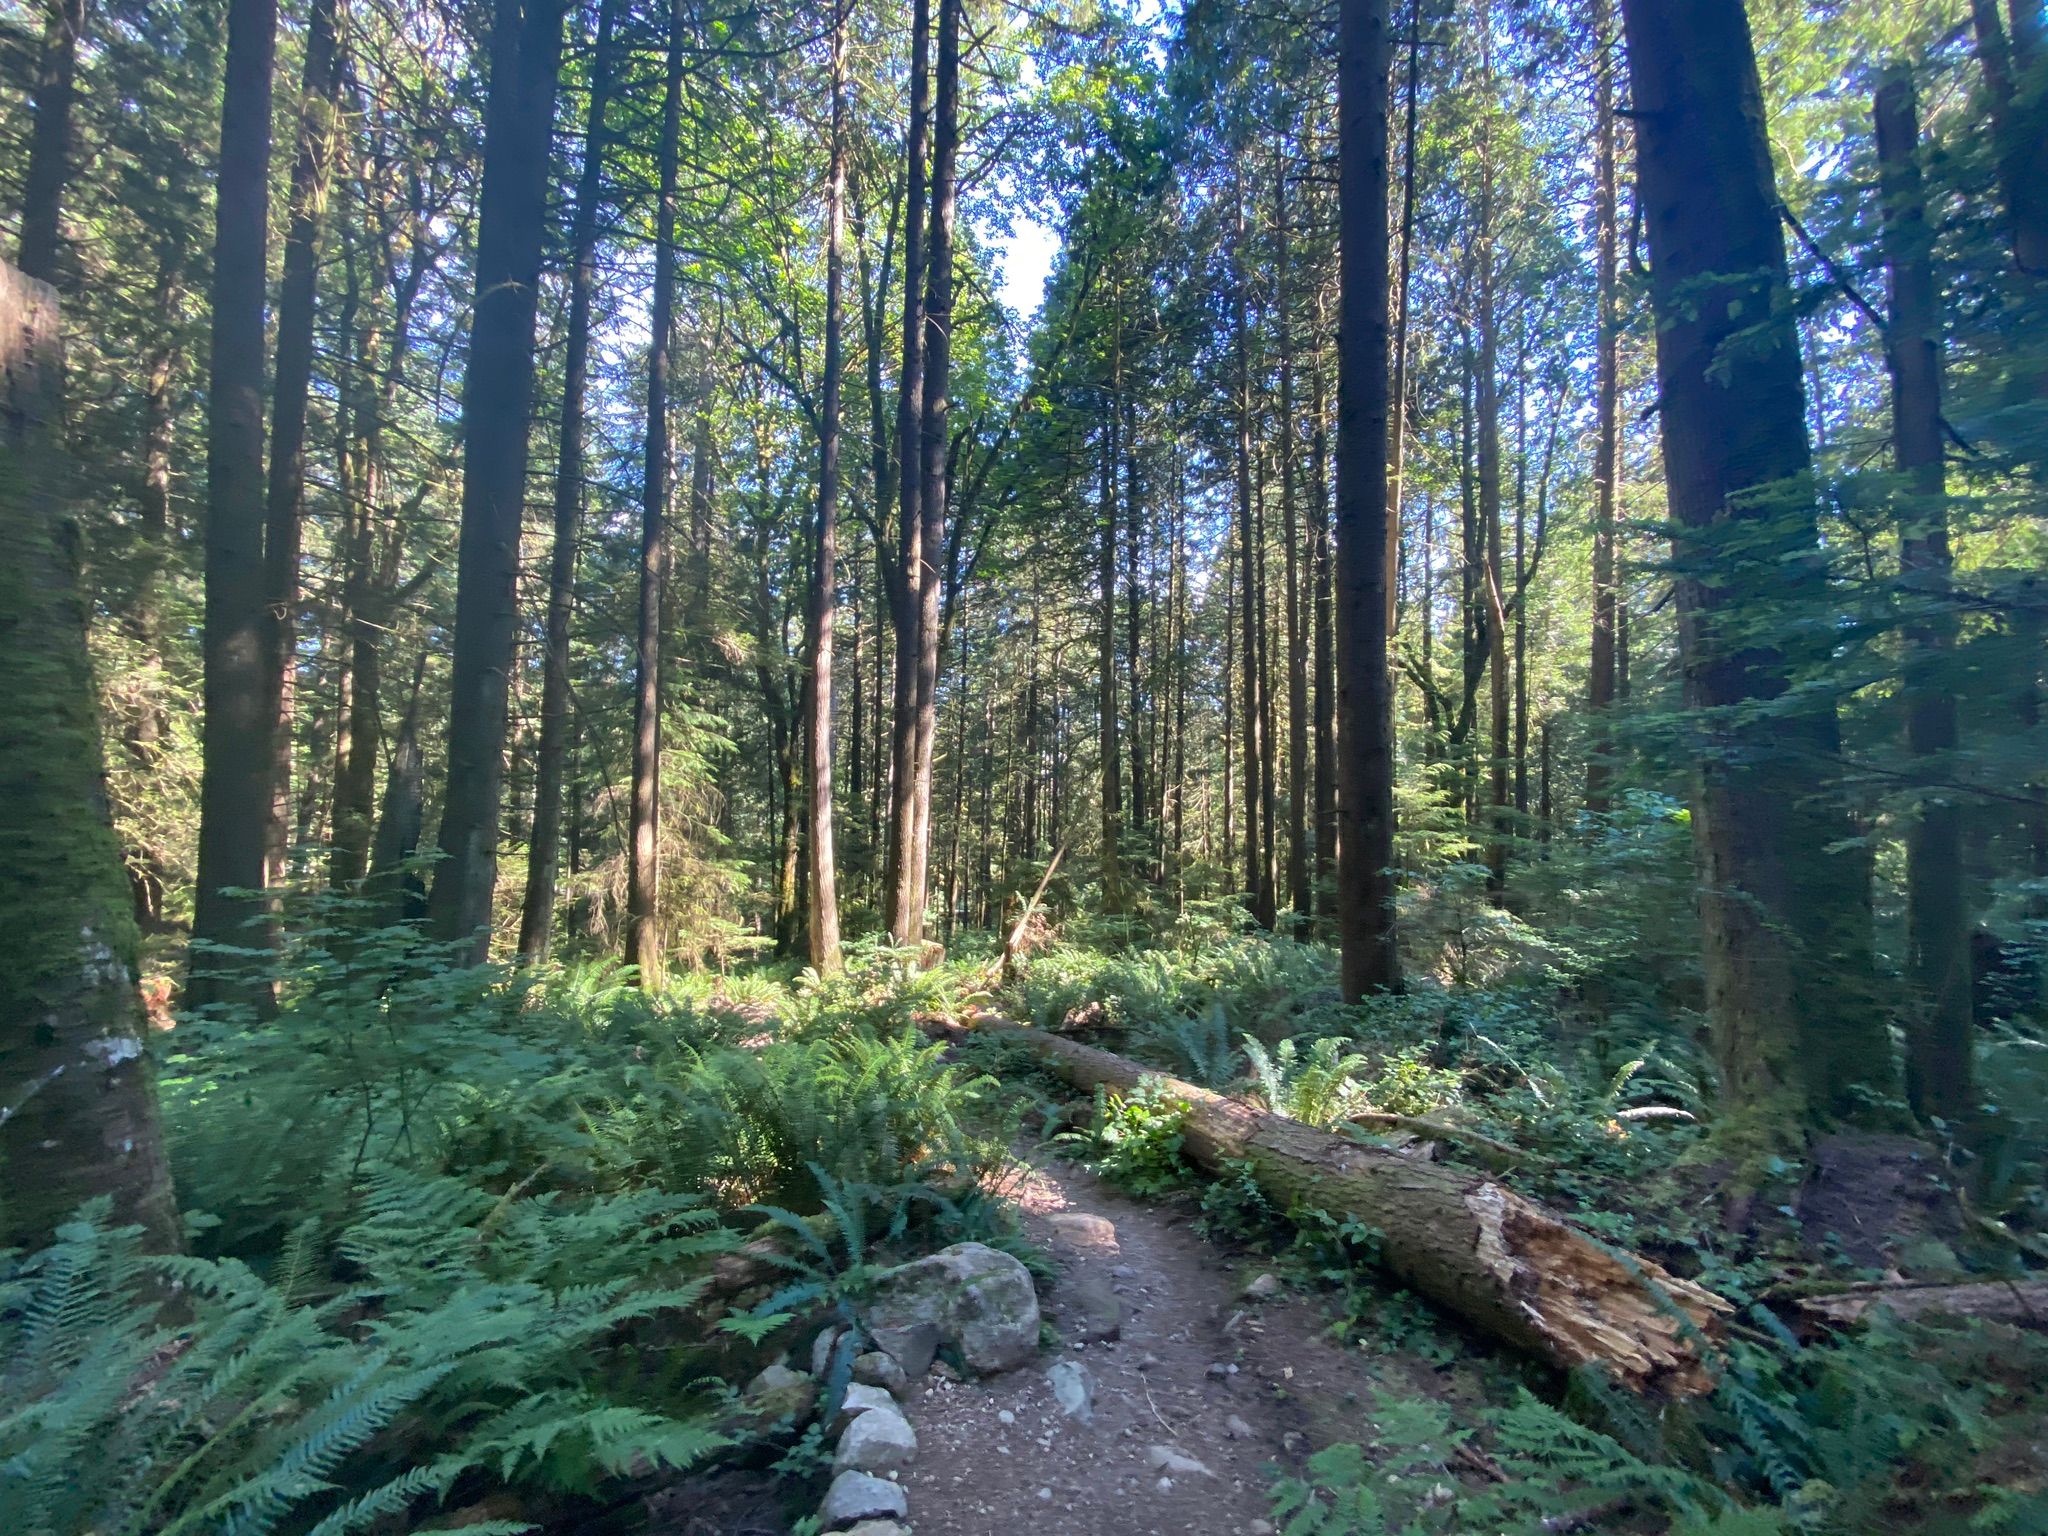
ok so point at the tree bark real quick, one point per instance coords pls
(1600, 691)
(2012, 68)
(1300, 895)
(292, 376)
(1105, 684)
(1258, 895)
(1365, 743)
(543, 855)
(1321, 578)
(643, 833)
(824, 878)
(239, 760)
(49, 152)
(904, 901)
(1502, 1263)
(78, 1114)
(526, 56)
(934, 442)
(1784, 904)
(1940, 1035)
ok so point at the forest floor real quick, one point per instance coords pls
(1198, 1393)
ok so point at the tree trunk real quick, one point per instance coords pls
(1399, 449)
(643, 833)
(1299, 893)
(1486, 419)
(543, 855)
(1365, 698)
(1600, 691)
(285, 498)
(1256, 862)
(1106, 718)
(1784, 901)
(1502, 1263)
(934, 442)
(49, 150)
(238, 756)
(526, 56)
(903, 900)
(1940, 1036)
(2019, 121)
(1321, 577)
(398, 890)
(824, 892)
(78, 1116)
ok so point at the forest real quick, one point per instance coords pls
(964, 766)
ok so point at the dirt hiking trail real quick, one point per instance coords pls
(1170, 1400)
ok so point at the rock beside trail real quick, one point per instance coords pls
(975, 1298)
(886, 1528)
(879, 1440)
(858, 1400)
(859, 1496)
(875, 1369)
(778, 1392)
(1263, 1288)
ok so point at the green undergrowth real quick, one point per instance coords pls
(1894, 1428)
(449, 1233)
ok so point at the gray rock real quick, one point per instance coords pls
(860, 1397)
(1174, 1463)
(971, 1296)
(891, 1528)
(1072, 1388)
(1236, 1428)
(879, 1440)
(1083, 1230)
(856, 1496)
(821, 1350)
(1263, 1288)
(778, 1392)
(1100, 1313)
(875, 1369)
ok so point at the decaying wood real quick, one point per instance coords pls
(2022, 1302)
(1501, 1262)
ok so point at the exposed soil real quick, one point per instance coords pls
(1177, 1357)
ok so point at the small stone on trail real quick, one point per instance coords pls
(1072, 1388)
(1045, 1494)
(1004, 1416)
(1264, 1288)
(1083, 1230)
(856, 1496)
(1124, 1272)
(1147, 1362)
(889, 1528)
(1259, 1528)
(1219, 1370)
(879, 1440)
(1168, 1459)
(1236, 1428)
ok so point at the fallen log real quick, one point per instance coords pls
(2021, 1302)
(1501, 1262)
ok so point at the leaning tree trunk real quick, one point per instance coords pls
(1365, 693)
(1501, 1262)
(238, 757)
(526, 57)
(78, 1114)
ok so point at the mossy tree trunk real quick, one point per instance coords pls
(78, 1114)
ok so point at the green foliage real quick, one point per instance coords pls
(1135, 1138)
(471, 1342)
(1317, 1086)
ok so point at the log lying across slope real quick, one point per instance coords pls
(1501, 1262)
